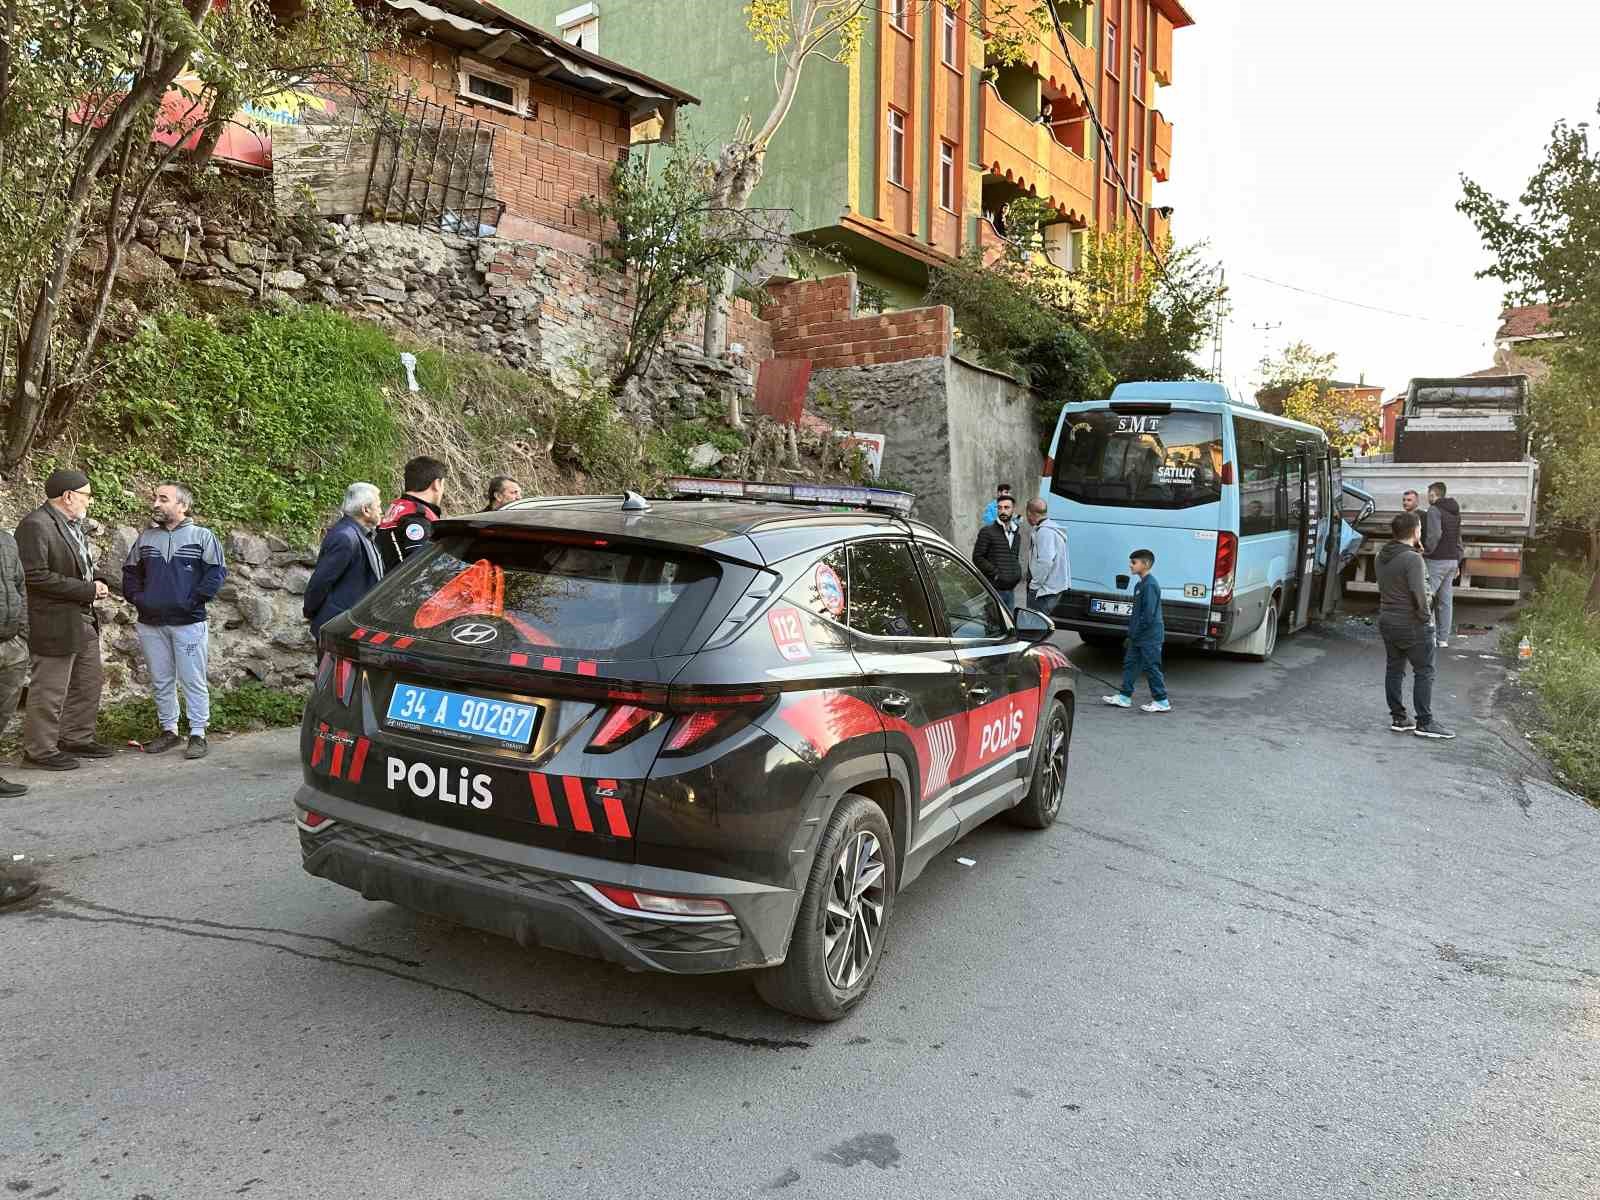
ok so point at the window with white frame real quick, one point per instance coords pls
(580, 27)
(1109, 150)
(947, 176)
(1136, 73)
(900, 15)
(484, 84)
(1135, 178)
(1113, 64)
(897, 147)
(951, 37)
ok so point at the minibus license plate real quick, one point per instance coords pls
(453, 715)
(1112, 608)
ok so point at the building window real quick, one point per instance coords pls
(900, 15)
(1112, 61)
(580, 27)
(489, 85)
(1136, 74)
(1135, 178)
(951, 38)
(1110, 149)
(947, 176)
(897, 147)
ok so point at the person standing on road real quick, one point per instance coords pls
(992, 511)
(13, 643)
(1406, 622)
(1049, 566)
(348, 565)
(173, 570)
(1147, 634)
(1441, 546)
(1409, 500)
(503, 490)
(998, 554)
(408, 523)
(63, 628)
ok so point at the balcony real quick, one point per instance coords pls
(1160, 146)
(1023, 152)
(1160, 228)
(1042, 54)
(1161, 59)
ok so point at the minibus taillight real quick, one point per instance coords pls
(1227, 472)
(1227, 563)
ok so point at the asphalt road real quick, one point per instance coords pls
(1271, 950)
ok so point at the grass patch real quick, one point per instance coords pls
(244, 709)
(1565, 671)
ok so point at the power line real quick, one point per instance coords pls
(1391, 312)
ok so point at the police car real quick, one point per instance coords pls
(716, 731)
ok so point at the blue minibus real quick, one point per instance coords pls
(1244, 511)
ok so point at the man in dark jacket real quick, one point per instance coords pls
(174, 569)
(998, 553)
(1406, 623)
(408, 523)
(1441, 547)
(348, 564)
(63, 627)
(13, 643)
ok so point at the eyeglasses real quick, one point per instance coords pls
(84, 492)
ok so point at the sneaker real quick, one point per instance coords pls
(197, 746)
(1443, 645)
(162, 744)
(7, 788)
(1432, 729)
(1118, 701)
(88, 749)
(1156, 706)
(1403, 724)
(55, 762)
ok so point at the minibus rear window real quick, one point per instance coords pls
(1140, 460)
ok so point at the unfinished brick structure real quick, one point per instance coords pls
(816, 319)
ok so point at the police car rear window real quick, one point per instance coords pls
(577, 596)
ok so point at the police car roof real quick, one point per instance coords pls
(748, 530)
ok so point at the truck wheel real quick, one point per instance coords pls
(838, 935)
(1048, 792)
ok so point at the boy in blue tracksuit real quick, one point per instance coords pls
(1146, 633)
(174, 569)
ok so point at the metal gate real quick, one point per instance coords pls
(432, 165)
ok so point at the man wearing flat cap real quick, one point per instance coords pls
(63, 628)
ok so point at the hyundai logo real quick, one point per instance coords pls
(474, 634)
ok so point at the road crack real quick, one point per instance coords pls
(164, 925)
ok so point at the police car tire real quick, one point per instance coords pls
(1035, 812)
(800, 985)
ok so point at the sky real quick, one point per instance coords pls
(1320, 144)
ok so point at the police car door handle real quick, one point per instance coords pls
(978, 691)
(895, 703)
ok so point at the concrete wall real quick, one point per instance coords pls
(993, 439)
(953, 431)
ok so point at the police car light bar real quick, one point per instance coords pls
(832, 495)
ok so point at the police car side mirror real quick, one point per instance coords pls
(1034, 626)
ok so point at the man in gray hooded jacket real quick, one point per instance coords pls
(1405, 619)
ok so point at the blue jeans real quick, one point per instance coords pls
(1143, 657)
(1408, 642)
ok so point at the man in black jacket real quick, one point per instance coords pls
(998, 553)
(63, 627)
(13, 641)
(1441, 547)
(1406, 623)
(408, 522)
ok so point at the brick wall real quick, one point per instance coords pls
(745, 329)
(816, 319)
(544, 164)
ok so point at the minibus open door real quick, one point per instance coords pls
(1316, 593)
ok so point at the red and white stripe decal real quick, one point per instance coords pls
(543, 808)
(577, 804)
(940, 739)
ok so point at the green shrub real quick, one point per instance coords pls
(1565, 670)
(267, 415)
(239, 710)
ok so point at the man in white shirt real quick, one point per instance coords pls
(1049, 567)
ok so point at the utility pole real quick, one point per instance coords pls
(1266, 328)
(1217, 317)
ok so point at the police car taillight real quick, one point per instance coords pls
(705, 717)
(672, 906)
(1227, 563)
(344, 679)
(623, 724)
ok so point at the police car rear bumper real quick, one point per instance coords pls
(540, 897)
